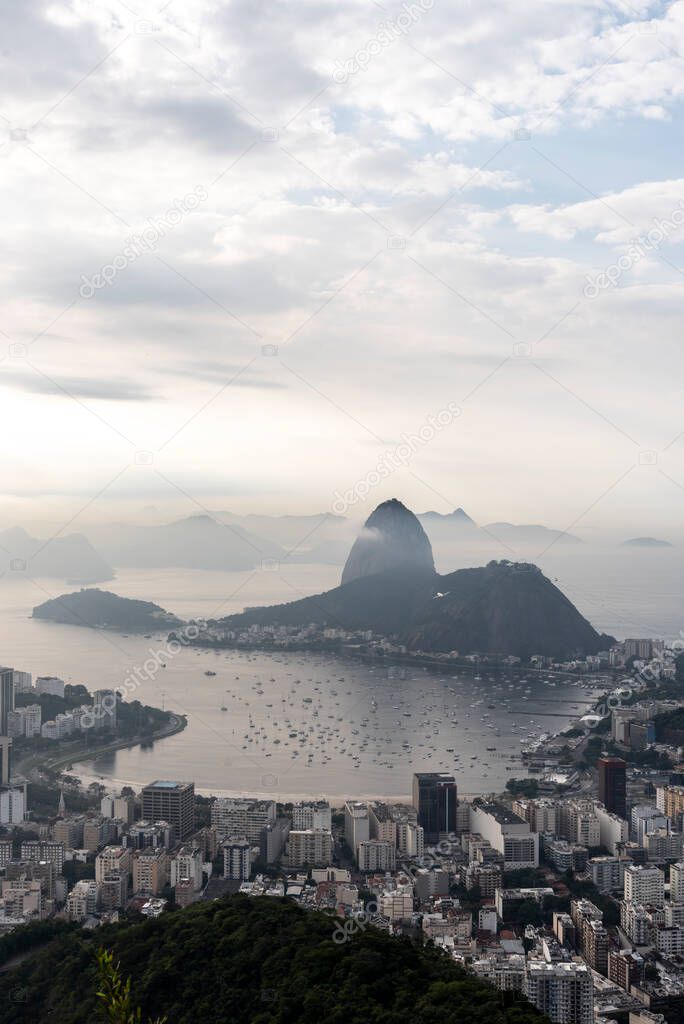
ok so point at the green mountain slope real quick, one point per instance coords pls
(262, 961)
(503, 607)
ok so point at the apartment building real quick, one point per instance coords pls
(316, 814)
(312, 847)
(150, 870)
(237, 859)
(113, 858)
(508, 833)
(644, 885)
(376, 855)
(242, 817)
(562, 991)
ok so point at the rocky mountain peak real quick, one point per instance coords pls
(392, 538)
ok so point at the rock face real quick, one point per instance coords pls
(500, 608)
(390, 586)
(392, 539)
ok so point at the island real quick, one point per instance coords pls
(646, 542)
(100, 609)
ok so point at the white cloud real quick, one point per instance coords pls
(391, 235)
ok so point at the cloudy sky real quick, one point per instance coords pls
(250, 250)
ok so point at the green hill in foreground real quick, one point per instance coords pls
(258, 960)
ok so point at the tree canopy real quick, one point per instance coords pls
(258, 960)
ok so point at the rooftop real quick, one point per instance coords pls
(501, 813)
(166, 784)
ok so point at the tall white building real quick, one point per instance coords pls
(356, 824)
(508, 833)
(410, 839)
(312, 815)
(644, 885)
(82, 900)
(377, 855)
(237, 861)
(23, 681)
(311, 846)
(104, 709)
(113, 858)
(578, 822)
(644, 818)
(16, 722)
(612, 829)
(12, 805)
(541, 814)
(50, 684)
(32, 720)
(242, 817)
(607, 873)
(187, 863)
(677, 882)
(562, 991)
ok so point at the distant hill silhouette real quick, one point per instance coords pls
(100, 608)
(68, 557)
(646, 542)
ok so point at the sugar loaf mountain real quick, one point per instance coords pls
(390, 585)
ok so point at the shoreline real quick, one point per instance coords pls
(336, 801)
(178, 724)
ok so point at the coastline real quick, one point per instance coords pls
(24, 766)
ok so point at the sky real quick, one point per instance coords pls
(305, 256)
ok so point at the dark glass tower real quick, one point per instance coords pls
(435, 799)
(612, 779)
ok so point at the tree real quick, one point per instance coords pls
(529, 912)
(115, 993)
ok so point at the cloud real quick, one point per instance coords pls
(110, 390)
(395, 236)
(216, 373)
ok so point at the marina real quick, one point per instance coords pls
(285, 723)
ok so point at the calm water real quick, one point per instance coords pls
(343, 742)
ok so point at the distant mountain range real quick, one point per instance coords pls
(457, 526)
(71, 557)
(389, 585)
(228, 542)
(199, 542)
